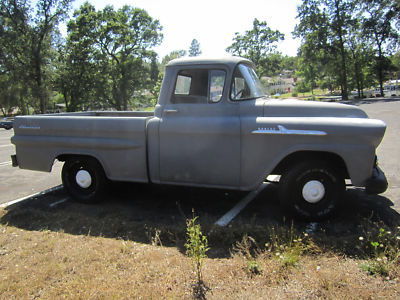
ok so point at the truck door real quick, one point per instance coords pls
(200, 131)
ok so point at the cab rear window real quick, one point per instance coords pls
(199, 86)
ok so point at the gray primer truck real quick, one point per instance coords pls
(213, 126)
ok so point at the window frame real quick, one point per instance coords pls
(209, 85)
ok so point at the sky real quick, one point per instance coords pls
(213, 22)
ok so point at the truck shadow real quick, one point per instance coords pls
(157, 215)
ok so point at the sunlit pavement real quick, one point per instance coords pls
(16, 183)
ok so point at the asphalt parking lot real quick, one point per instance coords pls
(16, 183)
(388, 152)
(165, 204)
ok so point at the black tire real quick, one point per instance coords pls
(92, 190)
(311, 190)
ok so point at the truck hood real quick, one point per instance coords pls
(298, 108)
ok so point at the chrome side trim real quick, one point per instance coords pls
(29, 127)
(170, 110)
(282, 130)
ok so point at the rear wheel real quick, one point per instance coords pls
(311, 189)
(84, 179)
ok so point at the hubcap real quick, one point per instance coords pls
(83, 179)
(313, 191)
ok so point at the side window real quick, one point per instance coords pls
(217, 82)
(245, 84)
(199, 86)
(239, 86)
(183, 85)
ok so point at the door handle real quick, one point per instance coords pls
(170, 110)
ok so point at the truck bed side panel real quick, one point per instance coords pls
(118, 143)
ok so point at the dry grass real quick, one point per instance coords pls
(54, 265)
(80, 261)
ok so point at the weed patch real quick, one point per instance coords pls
(382, 247)
(196, 248)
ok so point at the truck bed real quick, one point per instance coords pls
(116, 139)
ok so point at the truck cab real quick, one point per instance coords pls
(199, 126)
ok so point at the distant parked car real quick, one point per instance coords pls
(6, 124)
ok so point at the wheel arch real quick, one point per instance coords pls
(290, 160)
(64, 157)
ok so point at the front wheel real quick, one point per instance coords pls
(311, 189)
(84, 179)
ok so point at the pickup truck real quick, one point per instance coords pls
(214, 127)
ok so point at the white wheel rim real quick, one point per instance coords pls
(83, 179)
(313, 191)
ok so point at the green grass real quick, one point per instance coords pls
(305, 96)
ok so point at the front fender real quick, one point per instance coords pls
(267, 141)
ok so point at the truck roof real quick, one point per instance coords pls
(231, 61)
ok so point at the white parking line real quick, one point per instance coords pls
(58, 187)
(3, 146)
(230, 215)
(58, 202)
(6, 163)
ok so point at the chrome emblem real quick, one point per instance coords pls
(282, 130)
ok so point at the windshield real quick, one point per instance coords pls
(245, 84)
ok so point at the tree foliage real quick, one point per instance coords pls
(378, 24)
(340, 39)
(80, 61)
(105, 61)
(170, 56)
(323, 27)
(194, 49)
(125, 37)
(258, 44)
(27, 42)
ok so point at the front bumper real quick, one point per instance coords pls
(377, 183)
(14, 160)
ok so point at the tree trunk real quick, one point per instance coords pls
(380, 64)
(66, 100)
(21, 105)
(380, 77)
(362, 89)
(358, 76)
(343, 75)
(123, 87)
(38, 88)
